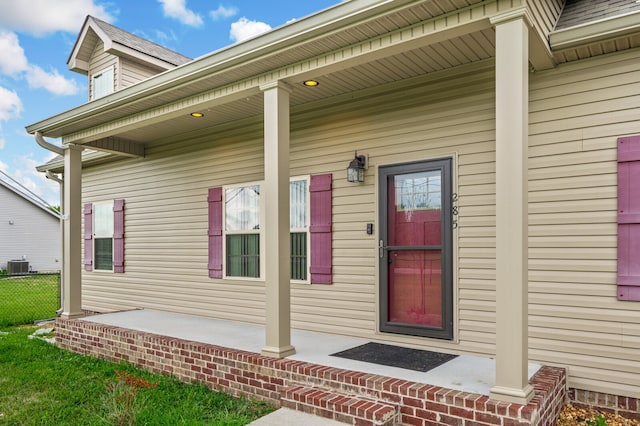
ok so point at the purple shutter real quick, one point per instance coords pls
(118, 236)
(629, 218)
(215, 232)
(88, 237)
(320, 228)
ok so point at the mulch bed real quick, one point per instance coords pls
(578, 416)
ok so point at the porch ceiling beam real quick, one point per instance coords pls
(116, 145)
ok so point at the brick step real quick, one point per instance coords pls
(350, 409)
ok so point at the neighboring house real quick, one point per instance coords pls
(498, 215)
(29, 232)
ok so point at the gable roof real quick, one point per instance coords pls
(579, 12)
(28, 198)
(121, 42)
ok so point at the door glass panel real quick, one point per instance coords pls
(415, 271)
(415, 203)
(415, 287)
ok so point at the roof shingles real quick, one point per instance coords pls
(578, 12)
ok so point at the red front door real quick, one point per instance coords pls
(415, 249)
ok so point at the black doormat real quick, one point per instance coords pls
(396, 356)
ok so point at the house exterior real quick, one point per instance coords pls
(30, 232)
(498, 215)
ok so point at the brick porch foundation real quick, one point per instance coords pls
(343, 395)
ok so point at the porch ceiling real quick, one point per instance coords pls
(427, 59)
(353, 46)
(365, 52)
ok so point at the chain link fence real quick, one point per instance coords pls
(25, 298)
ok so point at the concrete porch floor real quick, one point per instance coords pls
(464, 373)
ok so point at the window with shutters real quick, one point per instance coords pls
(104, 236)
(236, 239)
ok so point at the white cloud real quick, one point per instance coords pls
(52, 81)
(164, 38)
(10, 104)
(178, 9)
(244, 29)
(39, 17)
(33, 180)
(14, 63)
(223, 12)
(12, 58)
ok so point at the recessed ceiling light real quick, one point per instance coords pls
(197, 114)
(310, 83)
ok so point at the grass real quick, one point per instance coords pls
(27, 298)
(41, 384)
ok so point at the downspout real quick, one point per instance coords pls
(47, 145)
(58, 150)
(55, 178)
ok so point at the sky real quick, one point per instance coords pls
(36, 38)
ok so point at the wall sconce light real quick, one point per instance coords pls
(357, 166)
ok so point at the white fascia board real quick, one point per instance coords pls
(595, 31)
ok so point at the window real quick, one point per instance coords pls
(242, 213)
(102, 83)
(299, 222)
(103, 236)
(235, 233)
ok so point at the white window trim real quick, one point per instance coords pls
(95, 235)
(260, 232)
(98, 74)
(306, 229)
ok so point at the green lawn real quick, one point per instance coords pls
(41, 384)
(27, 298)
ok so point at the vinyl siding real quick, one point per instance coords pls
(34, 233)
(166, 215)
(133, 72)
(577, 112)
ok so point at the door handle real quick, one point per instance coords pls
(381, 248)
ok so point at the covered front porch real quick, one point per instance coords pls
(226, 355)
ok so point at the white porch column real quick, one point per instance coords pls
(512, 90)
(276, 231)
(72, 234)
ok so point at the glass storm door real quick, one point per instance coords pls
(415, 249)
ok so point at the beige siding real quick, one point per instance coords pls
(133, 72)
(576, 114)
(99, 62)
(166, 209)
